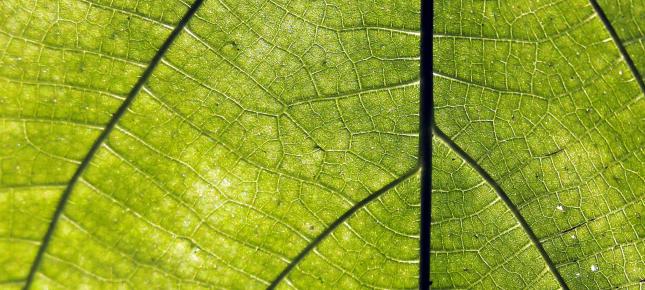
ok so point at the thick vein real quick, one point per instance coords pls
(103, 136)
(340, 220)
(426, 116)
(504, 197)
(619, 44)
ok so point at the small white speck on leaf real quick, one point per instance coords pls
(560, 207)
(194, 255)
(594, 268)
(244, 195)
(186, 223)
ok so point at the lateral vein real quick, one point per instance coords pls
(504, 197)
(103, 136)
(619, 44)
(340, 220)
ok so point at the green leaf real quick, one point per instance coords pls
(259, 127)
(626, 17)
(547, 114)
(275, 143)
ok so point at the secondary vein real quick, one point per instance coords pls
(436, 132)
(103, 136)
(340, 220)
(619, 44)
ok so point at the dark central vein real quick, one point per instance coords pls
(619, 44)
(504, 197)
(426, 115)
(340, 220)
(103, 136)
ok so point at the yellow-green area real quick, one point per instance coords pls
(266, 120)
(540, 96)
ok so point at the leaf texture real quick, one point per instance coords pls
(259, 144)
(260, 126)
(627, 18)
(542, 99)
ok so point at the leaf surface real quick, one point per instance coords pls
(260, 126)
(255, 144)
(542, 99)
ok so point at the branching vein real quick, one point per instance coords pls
(504, 197)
